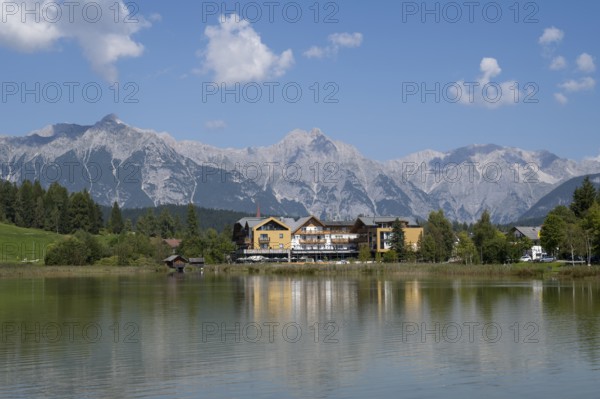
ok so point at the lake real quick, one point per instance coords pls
(221, 336)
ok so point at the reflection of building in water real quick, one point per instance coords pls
(268, 299)
(538, 289)
(385, 299)
(412, 300)
(288, 300)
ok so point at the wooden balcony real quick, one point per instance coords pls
(313, 241)
(322, 232)
(264, 240)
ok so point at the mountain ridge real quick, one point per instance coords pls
(304, 172)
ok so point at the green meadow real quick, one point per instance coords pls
(20, 245)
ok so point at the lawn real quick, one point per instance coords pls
(19, 245)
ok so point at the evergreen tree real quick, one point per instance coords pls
(396, 240)
(38, 190)
(147, 225)
(25, 205)
(192, 221)
(79, 212)
(39, 217)
(57, 207)
(166, 224)
(583, 198)
(115, 223)
(97, 219)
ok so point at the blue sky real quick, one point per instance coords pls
(372, 59)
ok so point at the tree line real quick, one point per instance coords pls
(445, 241)
(119, 241)
(573, 232)
(570, 233)
(31, 206)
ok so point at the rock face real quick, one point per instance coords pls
(305, 173)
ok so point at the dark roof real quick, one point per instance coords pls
(338, 223)
(374, 220)
(174, 257)
(251, 221)
(533, 233)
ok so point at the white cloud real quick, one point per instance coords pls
(336, 42)
(585, 63)
(490, 69)
(346, 39)
(582, 84)
(315, 52)
(215, 124)
(558, 63)
(551, 36)
(102, 40)
(561, 98)
(236, 53)
(486, 92)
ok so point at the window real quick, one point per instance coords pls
(280, 235)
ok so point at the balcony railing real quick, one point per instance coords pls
(322, 232)
(312, 241)
(264, 240)
(342, 240)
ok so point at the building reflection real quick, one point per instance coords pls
(367, 333)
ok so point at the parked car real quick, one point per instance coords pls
(525, 258)
(548, 259)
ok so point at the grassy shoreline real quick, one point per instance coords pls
(27, 271)
(524, 271)
(408, 269)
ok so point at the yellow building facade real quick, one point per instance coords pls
(271, 234)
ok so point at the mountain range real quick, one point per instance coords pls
(305, 173)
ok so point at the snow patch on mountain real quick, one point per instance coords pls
(304, 172)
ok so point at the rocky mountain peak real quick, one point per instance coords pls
(140, 167)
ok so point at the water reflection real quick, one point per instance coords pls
(181, 335)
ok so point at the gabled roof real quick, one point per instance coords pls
(533, 233)
(303, 221)
(372, 221)
(271, 219)
(290, 222)
(173, 257)
(250, 221)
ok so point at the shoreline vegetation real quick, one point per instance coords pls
(524, 271)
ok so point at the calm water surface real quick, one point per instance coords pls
(193, 335)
